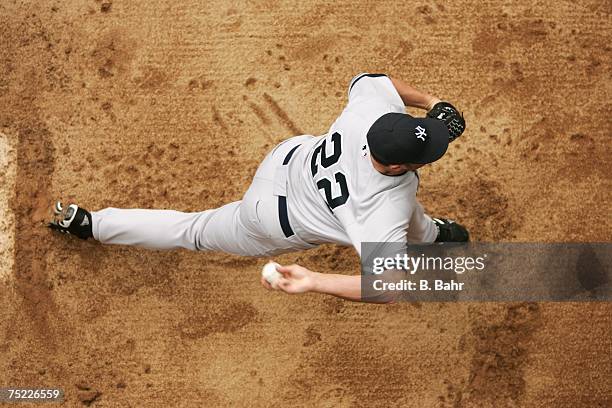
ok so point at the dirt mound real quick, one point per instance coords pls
(132, 104)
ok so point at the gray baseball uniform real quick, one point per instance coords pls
(307, 191)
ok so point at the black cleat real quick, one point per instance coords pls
(72, 220)
(450, 231)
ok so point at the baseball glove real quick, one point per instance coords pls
(451, 117)
(450, 231)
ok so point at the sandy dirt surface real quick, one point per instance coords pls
(7, 219)
(160, 104)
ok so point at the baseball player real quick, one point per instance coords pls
(356, 183)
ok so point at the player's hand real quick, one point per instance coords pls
(295, 279)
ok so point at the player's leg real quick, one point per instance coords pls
(421, 228)
(156, 229)
(424, 229)
(220, 229)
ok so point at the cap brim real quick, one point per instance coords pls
(438, 141)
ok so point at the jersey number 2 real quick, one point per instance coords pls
(319, 157)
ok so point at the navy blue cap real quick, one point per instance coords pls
(398, 138)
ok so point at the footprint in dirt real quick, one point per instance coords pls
(224, 318)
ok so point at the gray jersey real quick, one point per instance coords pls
(335, 193)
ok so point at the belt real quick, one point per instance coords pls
(282, 202)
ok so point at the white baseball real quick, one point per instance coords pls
(270, 274)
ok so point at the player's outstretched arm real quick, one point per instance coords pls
(297, 279)
(436, 109)
(412, 96)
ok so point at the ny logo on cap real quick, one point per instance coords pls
(420, 133)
